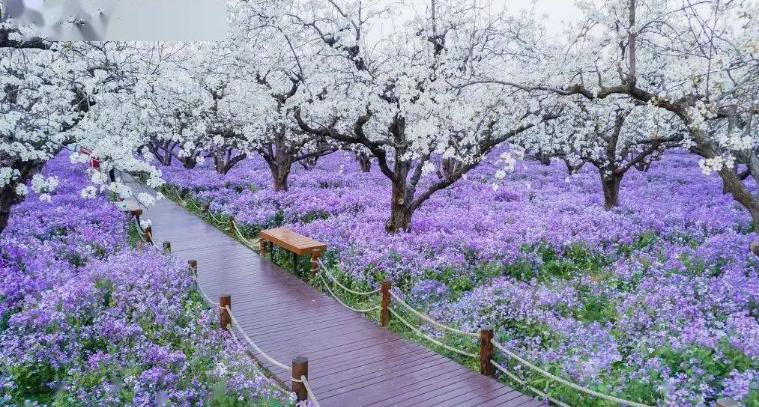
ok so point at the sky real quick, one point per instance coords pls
(191, 19)
(554, 12)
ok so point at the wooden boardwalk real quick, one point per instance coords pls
(352, 361)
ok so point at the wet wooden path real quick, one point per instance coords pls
(352, 361)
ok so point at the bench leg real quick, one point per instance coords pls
(262, 248)
(315, 261)
(295, 263)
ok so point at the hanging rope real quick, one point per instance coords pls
(537, 391)
(430, 320)
(271, 360)
(362, 311)
(309, 391)
(205, 296)
(240, 236)
(429, 338)
(566, 382)
(334, 280)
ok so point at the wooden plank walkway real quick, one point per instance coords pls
(352, 361)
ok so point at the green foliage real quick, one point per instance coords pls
(312, 216)
(752, 399)
(715, 363)
(221, 398)
(32, 381)
(575, 259)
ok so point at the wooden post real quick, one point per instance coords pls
(136, 213)
(166, 247)
(148, 234)
(261, 247)
(299, 368)
(486, 351)
(232, 224)
(224, 318)
(727, 403)
(193, 266)
(315, 261)
(385, 310)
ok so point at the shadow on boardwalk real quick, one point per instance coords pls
(352, 361)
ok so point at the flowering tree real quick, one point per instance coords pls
(267, 48)
(53, 95)
(412, 114)
(696, 60)
(169, 106)
(614, 136)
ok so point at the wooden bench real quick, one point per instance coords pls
(295, 243)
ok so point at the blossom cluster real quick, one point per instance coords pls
(86, 320)
(655, 300)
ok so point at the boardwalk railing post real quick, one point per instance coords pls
(486, 351)
(136, 213)
(231, 224)
(385, 304)
(225, 301)
(166, 247)
(299, 368)
(148, 234)
(193, 266)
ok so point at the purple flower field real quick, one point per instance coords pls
(657, 300)
(85, 320)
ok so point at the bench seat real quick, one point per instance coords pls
(293, 242)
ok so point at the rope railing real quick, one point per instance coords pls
(334, 280)
(204, 295)
(240, 236)
(565, 382)
(430, 320)
(252, 344)
(232, 325)
(413, 328)
(429, 338)
(535, 390)
(269, 358)
(307, 385)
(332, 293)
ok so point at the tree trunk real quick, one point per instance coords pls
(400, 214)
(162, 152)
(545, 159)
(309, 163)
(189, 163)
(8, 196)
(400, 202)
(364, 162)
(448, 167)
(280, 172)
(610, 183)
(6, 203)
(754, 246)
